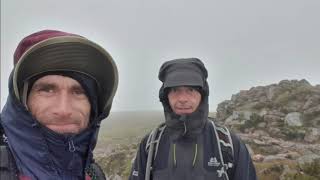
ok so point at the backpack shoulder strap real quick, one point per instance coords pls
(95, 172)
(225, 138)
(224, 135)
(8, 169)
(154, 138)
(152, 146)
(225, 147)
(3, 138)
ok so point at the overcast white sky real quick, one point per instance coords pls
(242, 43)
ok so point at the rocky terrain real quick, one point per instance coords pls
(118, 140)
(280, 124)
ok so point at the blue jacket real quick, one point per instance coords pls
(40, 153)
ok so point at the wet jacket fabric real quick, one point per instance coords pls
(40, 153)
(188, 144)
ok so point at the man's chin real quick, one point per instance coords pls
(68, 134)
(183, 111)
(65, 129)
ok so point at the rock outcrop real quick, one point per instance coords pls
(281, 124)
(289, 110)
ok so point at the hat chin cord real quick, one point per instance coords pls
(24, 95)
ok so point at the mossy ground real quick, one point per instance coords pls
(274, 170)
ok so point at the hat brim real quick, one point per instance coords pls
(70, 53)
(183, 78)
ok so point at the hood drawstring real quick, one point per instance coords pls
(185, 129)
(174, 155)
(194, 156)
(183, 119)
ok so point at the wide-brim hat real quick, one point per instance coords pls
(61, 51)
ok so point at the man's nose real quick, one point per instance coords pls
(64, 105)
(182, 97)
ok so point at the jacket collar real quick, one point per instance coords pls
(189, 124)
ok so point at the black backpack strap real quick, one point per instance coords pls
(225, 138)
(95, 172)
(8, 169)
(157, 134)
(225, 147)
(3, 138)
(152, 146)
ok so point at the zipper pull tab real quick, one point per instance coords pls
(185, 128)
(71, 146)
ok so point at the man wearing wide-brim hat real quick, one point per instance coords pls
(60, 89)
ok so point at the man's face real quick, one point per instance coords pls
(59, 103)
(184, 100)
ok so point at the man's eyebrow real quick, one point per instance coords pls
(77, 87)
(43, 85)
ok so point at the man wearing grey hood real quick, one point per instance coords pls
(189, 146)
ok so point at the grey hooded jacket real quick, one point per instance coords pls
(188, 143)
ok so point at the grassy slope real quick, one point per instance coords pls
(118, 138)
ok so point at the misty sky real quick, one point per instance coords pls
(242, 43)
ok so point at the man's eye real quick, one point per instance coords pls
(191, 89)
(47, 90)
(78, 91)
(174, 89)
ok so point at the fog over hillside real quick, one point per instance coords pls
(128, 126)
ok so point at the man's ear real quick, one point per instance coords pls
(162, 94)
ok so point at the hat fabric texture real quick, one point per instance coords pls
(183, 75)
(34, 38)
(183, 72)
(57, 51)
